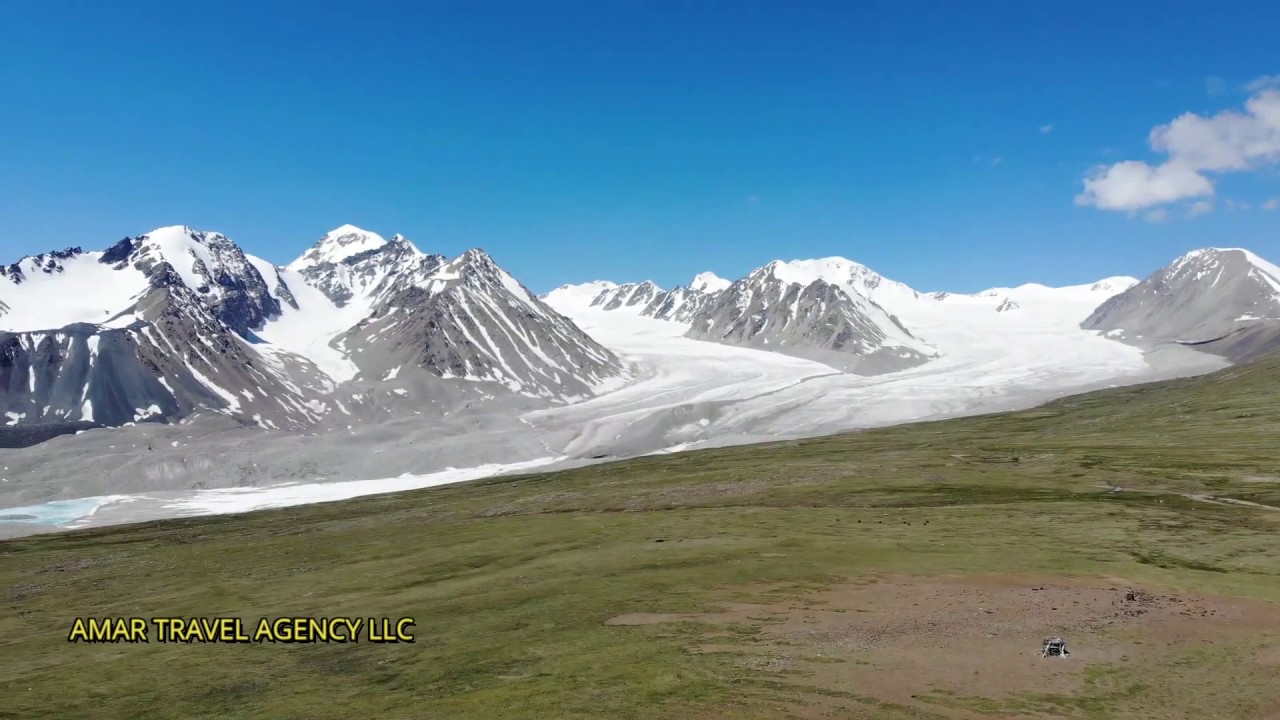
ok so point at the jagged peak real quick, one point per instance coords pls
(1207, 258)
(174, 236)
(475, 254)
(400, 241)
(708, 282)
(470, 259)
(337, 245)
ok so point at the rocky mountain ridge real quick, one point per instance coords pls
(177, 321)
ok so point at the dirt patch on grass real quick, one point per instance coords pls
(971, 647)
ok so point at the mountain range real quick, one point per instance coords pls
(178, 322)
(1221, 300)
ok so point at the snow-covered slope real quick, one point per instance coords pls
(854, 278)
(472, 320)
(810, 317)
(172, 357)
(870, 316)
(1201, 297)
(176, 320)
(708, 282)
(680, 304)
(633, 297)
(998, 349)
(391, 308)
(577, 296)
(338, 245)
(36, 292)
(210, 265)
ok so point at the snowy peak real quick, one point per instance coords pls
(212, 266)
(853, 277)
(1113, 285)
(178, 320)
(631, 295)
(777, 308)
(360, 279)
(337, 245)
(478, 268)
(1222, 262)
(1204, 295)
(571, 297)
(677, 305)
(469, 319)
(835, 270)
(473, 260)
(708, 282)
(55, 289)
(45, 263)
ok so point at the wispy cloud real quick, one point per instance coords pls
(1215, 85)
(1199, 207)
(996, 161)
(1272, 204)
(1195, 146)
(1234, 205)
(1262, 83)
(1046, 129)
(753, 199)
(1158, 215)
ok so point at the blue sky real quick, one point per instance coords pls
(632, 140)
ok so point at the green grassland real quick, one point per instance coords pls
(511, 581)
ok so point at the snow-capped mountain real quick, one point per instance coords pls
(682, 304)
(854, 278)
(636, 296)
(1202, 297)
(708, 282)
(338, 245)
(814, 308)
(817, 319)
(472, 320)
(153, 328)
(863, 320)
(162, 325)
(391, 307)
(581, 295)
(1113, 285)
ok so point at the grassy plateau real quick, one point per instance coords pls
(513, 583)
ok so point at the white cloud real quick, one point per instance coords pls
(1272, 204)
(1262, 83)
(1199, 207)
(1156, 216)
(1229, 141)
(1046, 128)
(1133, 185)
(1237, 205)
